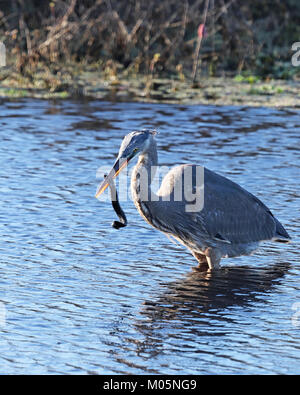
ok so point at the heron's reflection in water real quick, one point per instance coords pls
(201, 301)
(202, 318)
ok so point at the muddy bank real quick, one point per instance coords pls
(92, 83)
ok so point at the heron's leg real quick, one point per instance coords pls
(213, 257)
(202, 261)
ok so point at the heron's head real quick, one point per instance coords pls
(134, 143)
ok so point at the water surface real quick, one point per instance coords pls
(78, 296)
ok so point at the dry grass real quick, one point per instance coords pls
(151, 36)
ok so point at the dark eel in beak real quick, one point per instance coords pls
(116, 206)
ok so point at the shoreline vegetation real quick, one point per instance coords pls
(222, 52)
(87, 82)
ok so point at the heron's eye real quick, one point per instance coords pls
(135, 150)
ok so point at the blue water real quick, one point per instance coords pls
(77, 296)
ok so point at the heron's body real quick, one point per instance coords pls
(232, 221)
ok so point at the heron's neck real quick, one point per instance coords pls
(143, 173)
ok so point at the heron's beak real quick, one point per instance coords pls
(117, 167)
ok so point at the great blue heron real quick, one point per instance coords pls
(231, 222)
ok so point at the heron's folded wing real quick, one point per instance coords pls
(233, 214)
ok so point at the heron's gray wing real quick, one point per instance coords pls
(233, 214)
